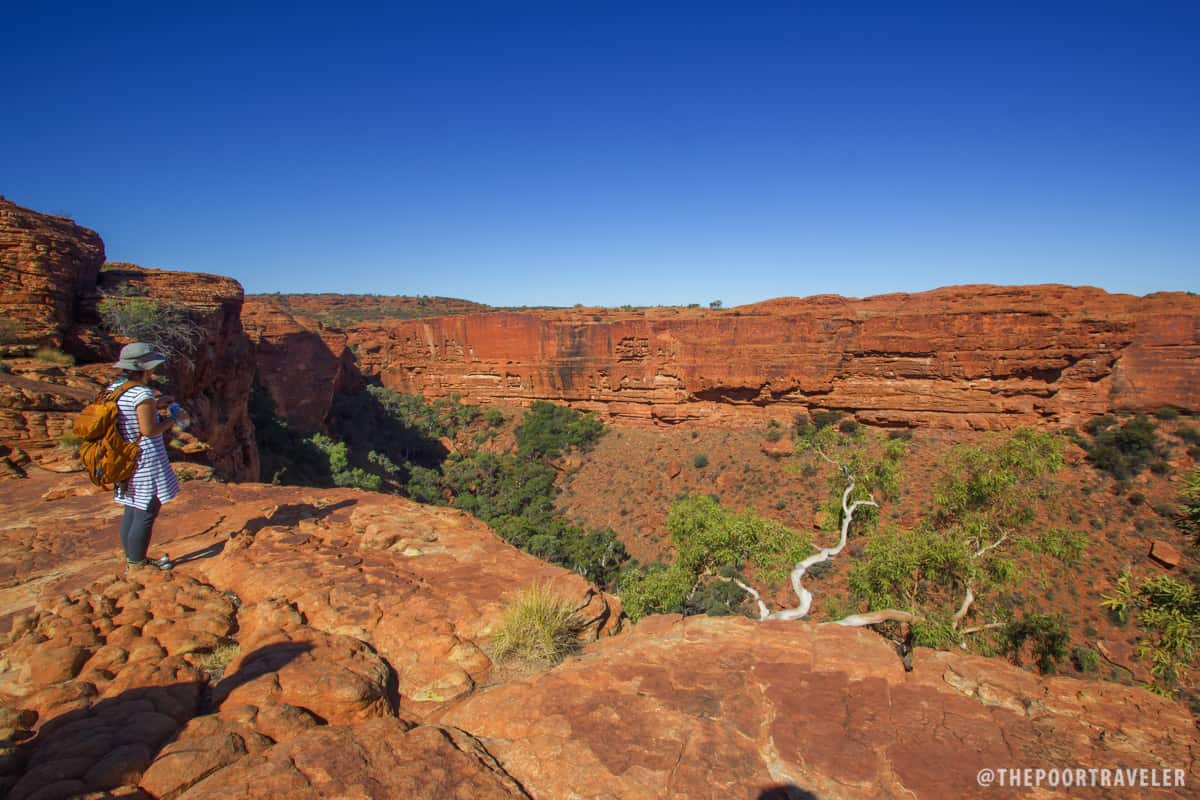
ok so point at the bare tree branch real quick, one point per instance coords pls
(875, 617)
(763, 610)
(994, 544)
(963, 609)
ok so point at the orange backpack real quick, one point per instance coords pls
(106, 457)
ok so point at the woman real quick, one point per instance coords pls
(153, 482)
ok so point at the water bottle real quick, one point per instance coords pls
(179, 415)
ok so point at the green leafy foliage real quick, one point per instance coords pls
(1189, 506)
(982, 496)
(700, 461)
(515, 494)
(1168, 611)
(1064, 545)
(711, 542)
(54, 356)
(1123, 450)
(549, 430)
(1047, 636)
(286, 456)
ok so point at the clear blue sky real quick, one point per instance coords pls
(606, 154)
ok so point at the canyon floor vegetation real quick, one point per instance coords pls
(1029, 545)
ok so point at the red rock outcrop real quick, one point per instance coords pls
(46, 262)
(300, 363)
(213, 380)
(728, 707)
(321, 643)
(983, 357)
(50, 271)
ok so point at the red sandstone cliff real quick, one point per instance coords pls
(970, 356)
(45, 263)
(50, 268)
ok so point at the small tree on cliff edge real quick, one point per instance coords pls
(166, 326)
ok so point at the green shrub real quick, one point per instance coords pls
(1189, 507)
(1167, 413)
(69, 441)
(548, 430)
(53, 356)
(1085, 659)
(700, 461)
(1168, 610)
(824, 419)
(493, 417)
(1122, 451)
(1190, 434)
(4, 367)
(848, 426)
(538, 627)
(1064, 545)
(1048, 636)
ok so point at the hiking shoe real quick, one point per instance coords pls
(130, 566)
(163, 563)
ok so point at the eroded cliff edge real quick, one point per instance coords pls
(354, 629)
(53, 277)
(980, 357)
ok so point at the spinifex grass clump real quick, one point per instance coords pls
(539, 627)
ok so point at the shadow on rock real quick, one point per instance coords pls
(111, 742)
(212, 551)
(290, 514)
(786, 792)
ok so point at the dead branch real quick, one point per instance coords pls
(963, 609)
(875, 617)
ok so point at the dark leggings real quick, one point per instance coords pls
(135, 530)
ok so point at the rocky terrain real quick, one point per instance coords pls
(338, 643)
(53, 281)
(968, 357)
(335, 643)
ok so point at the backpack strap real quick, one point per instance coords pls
(123, 388)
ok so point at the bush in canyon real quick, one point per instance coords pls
(984, 497)
(712, 545)
(1045, 635)
(1188, 519)
(1168, 611)
(548, 430)
(1122, 450)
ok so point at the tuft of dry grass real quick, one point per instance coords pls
(214, 662)
(539, 627)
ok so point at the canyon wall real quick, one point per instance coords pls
(980, 357)
(45, 263)
(51, 270)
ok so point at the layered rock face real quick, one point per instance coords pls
(213, 380)
(46, 262)
(982, 357)
(302, 364)
(50, 271)
(333, 643)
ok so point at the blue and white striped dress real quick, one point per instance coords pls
(153, 476)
